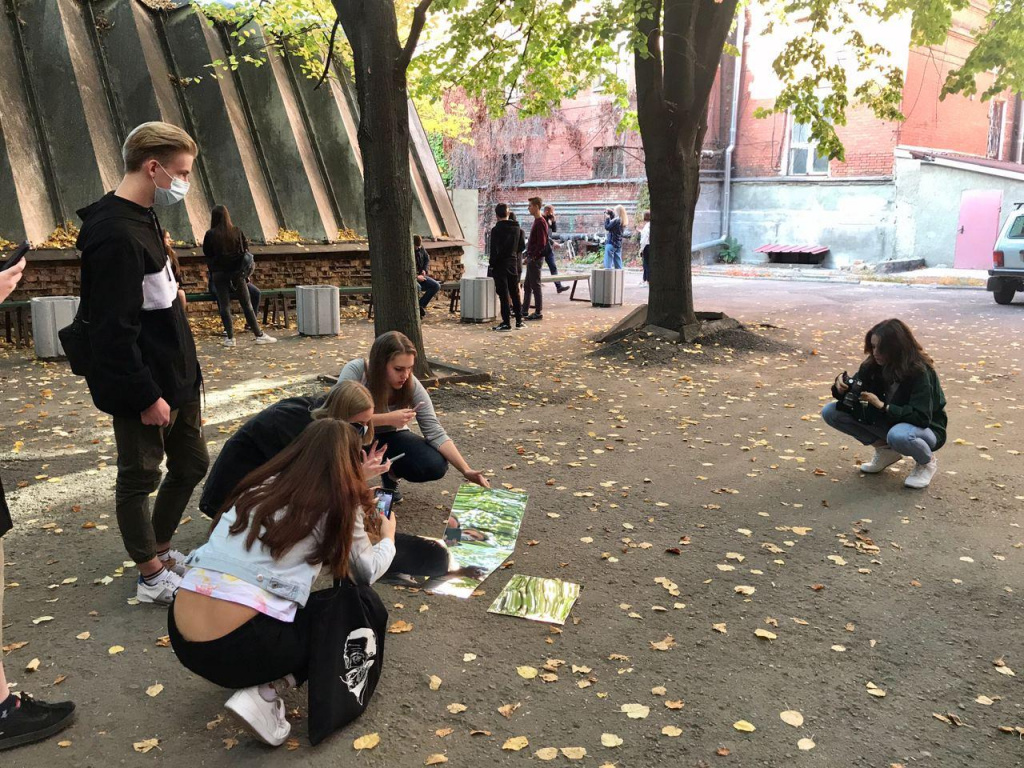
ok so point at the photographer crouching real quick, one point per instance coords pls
(894, 403)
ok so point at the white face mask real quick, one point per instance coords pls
(174, 194)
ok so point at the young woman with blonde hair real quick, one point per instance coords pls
(615, 224)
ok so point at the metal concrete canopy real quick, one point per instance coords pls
(78, 76)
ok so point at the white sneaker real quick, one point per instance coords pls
(228, 342)
(263, 719)
(179, 562)
(922, 474)
(884, 457)
(162, 592)
(266, 338)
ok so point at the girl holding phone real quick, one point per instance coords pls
(398, 398)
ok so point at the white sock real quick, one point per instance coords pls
(272, 691)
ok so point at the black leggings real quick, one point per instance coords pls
(260, 651)
(422, 462)
(224, 283)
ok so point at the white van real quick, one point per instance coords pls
(1007, 274)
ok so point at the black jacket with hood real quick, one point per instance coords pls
(507, 242)
(142, 346)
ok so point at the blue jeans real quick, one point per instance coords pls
(915, 442)
(550, 259)
(430, 287)
(612, 256)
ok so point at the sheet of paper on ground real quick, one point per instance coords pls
(537, 599)
(481, 534)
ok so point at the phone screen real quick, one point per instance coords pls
(16, 257)
(384, 501)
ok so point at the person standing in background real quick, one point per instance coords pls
(428, 285)
(503, 266)
(645, 244)
(615, 225)
(549, 217)
(23, 720)
(536, 248)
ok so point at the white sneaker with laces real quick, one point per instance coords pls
(179, 562)
(228, 342)
(162, 591)
(266, 338)
(884, 457)
(922, 474)
(263, 719)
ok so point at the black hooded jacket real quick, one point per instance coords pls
(507, 242)
(142, 346)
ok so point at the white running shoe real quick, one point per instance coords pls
(884, 457)
(922, 474)
(162, 592)
(266, 338)
(228, 342)
(263, 719)
(178, 559)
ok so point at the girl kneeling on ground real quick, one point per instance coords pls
(398, 398)
(240, 618)
(903, 409)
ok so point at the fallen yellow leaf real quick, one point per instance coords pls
(806, 744)
(435, 682)
(792, 717)
(456, 708)
(610, 740)
(671, 731)
(515, 743)
(369, 741)
(574, 753)
(527, 673)
(546, 753)
(765, 634)
(154, 690)
(115, 649)
(399, 627)
(437, 759)
(146, 745)
(635, 711)
(743, 725)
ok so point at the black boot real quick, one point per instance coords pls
(390, 484)
(30, 720)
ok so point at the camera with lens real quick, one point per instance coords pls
(850, 402)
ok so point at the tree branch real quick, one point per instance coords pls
(330, 54)
(715, 31)
(522, 62)
(647, 64)
(419, 20)
(680, 42)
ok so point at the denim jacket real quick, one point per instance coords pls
(289, 576)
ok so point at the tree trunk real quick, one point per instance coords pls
(372, 30)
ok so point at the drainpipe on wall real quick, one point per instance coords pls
(737, 83)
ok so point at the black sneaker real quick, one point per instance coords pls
(390, 484)
(519, 324)
(534, 316)
(33, 721)
(561, 288)
(502, 327)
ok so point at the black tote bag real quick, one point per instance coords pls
(348, 625)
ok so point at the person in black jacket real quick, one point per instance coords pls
(901, 410)
(427, 284)
(224, 247)
(23, 720)
(144, 370)
(507, 242)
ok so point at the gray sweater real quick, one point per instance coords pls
(426, 417)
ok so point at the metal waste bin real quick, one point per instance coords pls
(478, 299)
(318, 310)
(49, 315)
(607, 287)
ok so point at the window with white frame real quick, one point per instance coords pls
(804, 159)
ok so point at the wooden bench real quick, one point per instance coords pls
(274, 300)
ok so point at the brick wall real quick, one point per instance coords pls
(56, 273)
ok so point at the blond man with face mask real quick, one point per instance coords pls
(144, 370)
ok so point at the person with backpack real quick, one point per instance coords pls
(537, 248)
(227, 255)
(23, 719)
(241, 619)
(143, 369)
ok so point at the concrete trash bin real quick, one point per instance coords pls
(318, 310)
(607, 287)
(478, 299)
(49, 315)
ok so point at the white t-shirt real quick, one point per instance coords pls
(645, 235)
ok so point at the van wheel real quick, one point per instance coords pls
(1004, 294)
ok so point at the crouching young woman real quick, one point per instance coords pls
(901, 409)
(240, 618)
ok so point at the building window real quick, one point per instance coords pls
(609, 162)
(804, 159)
(512, 171)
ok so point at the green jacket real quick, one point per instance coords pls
(919, 401)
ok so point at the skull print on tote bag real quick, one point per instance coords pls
(346, 655)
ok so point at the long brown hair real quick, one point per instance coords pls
(904, 356)
(386, 347)
(318, 478)
(345, 400)
(226, 235)
(172, 255)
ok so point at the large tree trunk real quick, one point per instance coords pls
(372, 30)
(673, 86)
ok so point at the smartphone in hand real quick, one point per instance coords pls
(385, 499)
(18, 255)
